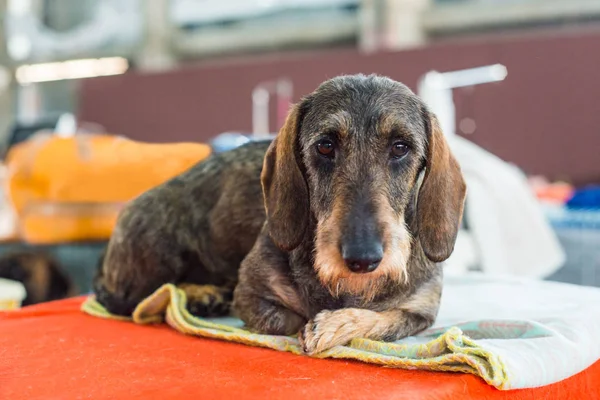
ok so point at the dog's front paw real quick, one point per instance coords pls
(334, 328)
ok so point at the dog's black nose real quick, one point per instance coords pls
(363, 260)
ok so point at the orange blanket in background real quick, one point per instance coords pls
(54, 351)
(71, 188)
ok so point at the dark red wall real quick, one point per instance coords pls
(545, 117)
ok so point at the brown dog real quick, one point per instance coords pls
(351, 242)
(43, 277)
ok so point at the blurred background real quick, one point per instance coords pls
(102, 99)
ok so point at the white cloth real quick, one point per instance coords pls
(543, 331)
(8, 219)
(505, 220)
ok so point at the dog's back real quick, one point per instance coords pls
(195, 228)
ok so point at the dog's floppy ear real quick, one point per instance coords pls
(441, 197)
(284, 186)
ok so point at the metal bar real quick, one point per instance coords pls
(261, 96)
(435, 88)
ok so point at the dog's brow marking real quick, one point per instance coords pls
(388, 123)
(339, 121)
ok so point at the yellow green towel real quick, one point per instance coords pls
(437, 350)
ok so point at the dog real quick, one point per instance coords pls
(41, 275)
(335, 230)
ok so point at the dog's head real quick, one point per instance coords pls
(350, 157)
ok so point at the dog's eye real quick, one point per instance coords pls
(399, 150)
(325, 148)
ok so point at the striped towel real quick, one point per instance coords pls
(512, 333)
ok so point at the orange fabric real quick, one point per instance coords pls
(71, 188)
(557, 192)
(53, 351)
(68, 226)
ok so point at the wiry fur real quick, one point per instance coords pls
(197, 228)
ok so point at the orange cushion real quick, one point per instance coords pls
(72, 188)
(53, 351)
(68, 223)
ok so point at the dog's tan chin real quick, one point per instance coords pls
(334, 275)
(331, 268)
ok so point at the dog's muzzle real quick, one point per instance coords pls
(361, 247)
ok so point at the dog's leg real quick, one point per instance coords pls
(207, 300)
(268, 316)
(265, 298)
(335, 328)
(267, 301)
